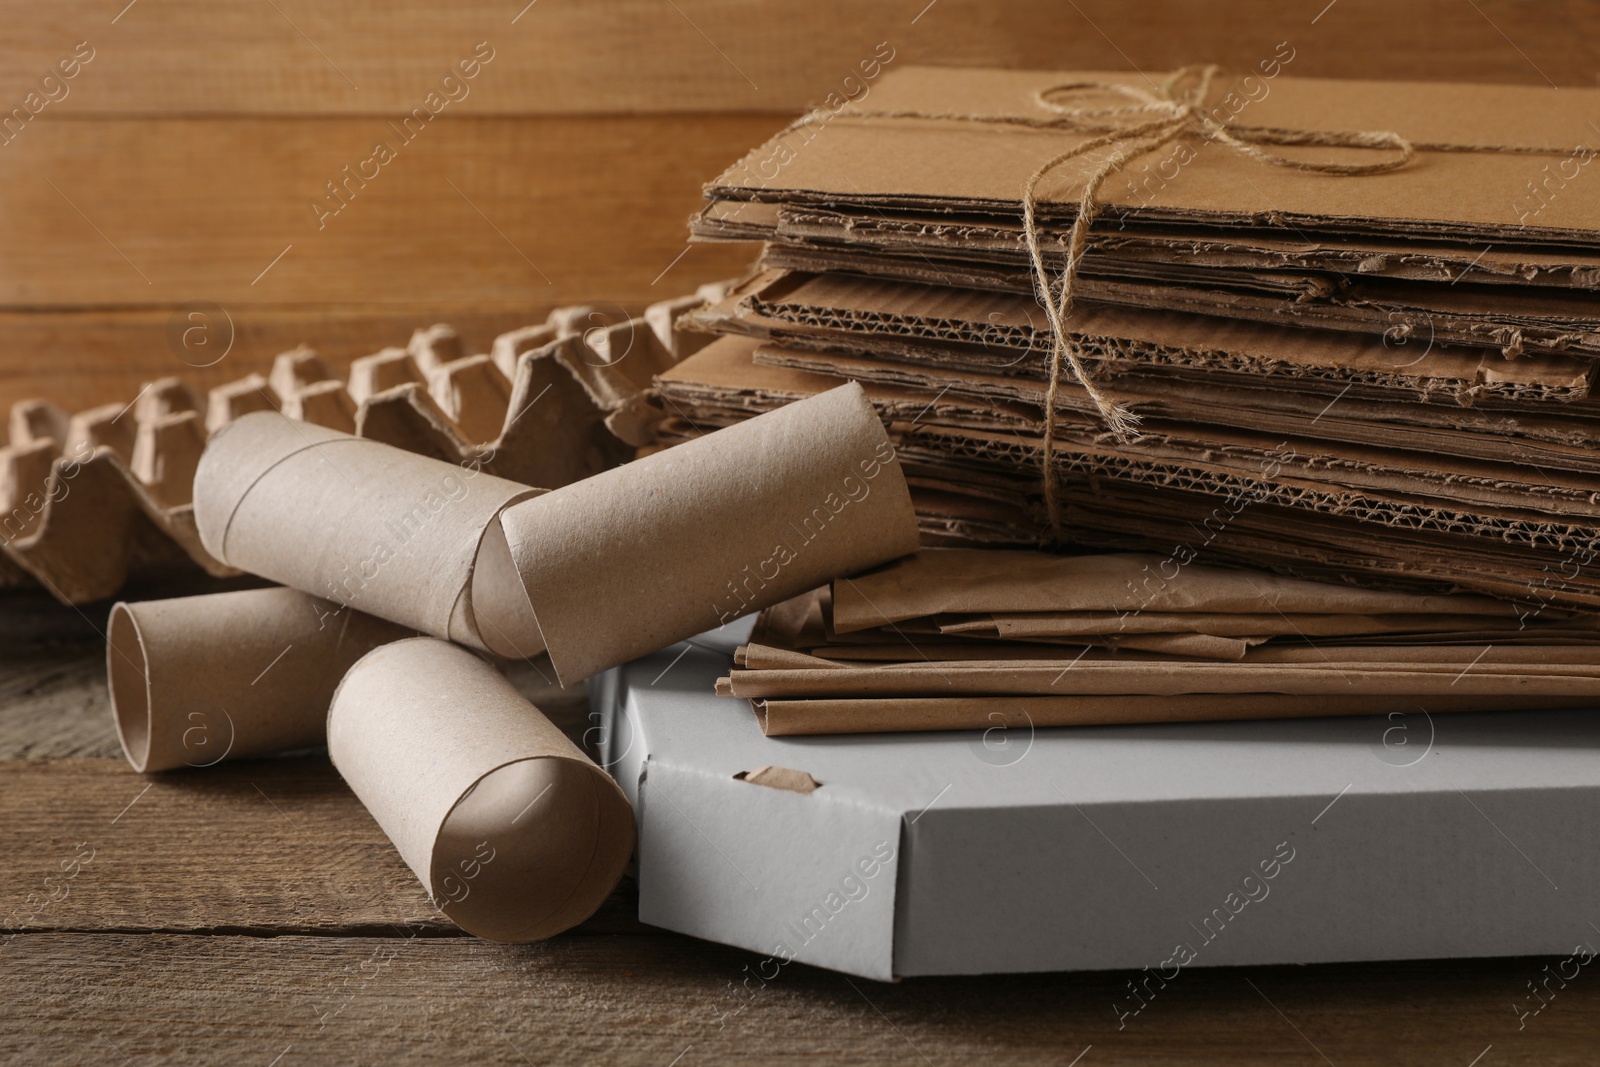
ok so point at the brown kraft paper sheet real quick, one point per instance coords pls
(982, 167)
(1175, 678)
(1221, 624)
(938, 581)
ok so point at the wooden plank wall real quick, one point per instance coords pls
(178, 165)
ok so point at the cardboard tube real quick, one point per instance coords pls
(380, 529)
(513, 831)
(198, 680)
(679, 542)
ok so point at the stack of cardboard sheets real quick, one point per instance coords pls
(964, 638)
(1381, 378)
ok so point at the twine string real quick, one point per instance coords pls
(1151, 120)
(1175, 112)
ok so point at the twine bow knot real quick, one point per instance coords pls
(1151, 120)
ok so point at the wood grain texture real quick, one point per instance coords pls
(53, 704)
(263, 846)
(659, 999)
(52, 678)
(114, 229)
(602, 56)
(493, 213)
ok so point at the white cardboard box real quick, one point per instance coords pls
(1128, 847)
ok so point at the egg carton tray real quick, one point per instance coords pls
(90, 499)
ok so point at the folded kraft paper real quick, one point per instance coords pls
(952, 639)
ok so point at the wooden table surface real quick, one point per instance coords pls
(254, 913)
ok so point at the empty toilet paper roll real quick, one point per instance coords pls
(513, 831)
(387, 531)
(618, 565)
(201, 679)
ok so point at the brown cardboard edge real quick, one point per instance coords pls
(133, 724)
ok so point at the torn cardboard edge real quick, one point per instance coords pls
(1007, 333)
(977, 469)
(976, 237)
(784, 778)
(1561, 441)
(1513, 324)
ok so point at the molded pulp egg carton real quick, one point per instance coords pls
(88, 499)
